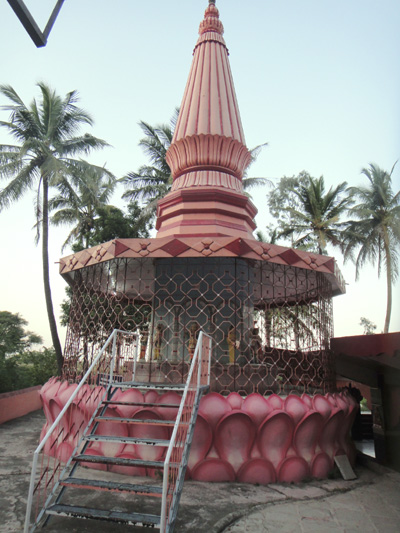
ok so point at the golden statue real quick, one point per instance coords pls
(232, 344)
(158, 341)
(194, 328)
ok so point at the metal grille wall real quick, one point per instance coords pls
(270, 323)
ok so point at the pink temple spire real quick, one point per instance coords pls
(208, 155)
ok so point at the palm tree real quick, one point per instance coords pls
(315, 221)
(46, 131)
(152, 182)
(79, 199)
(375, 229)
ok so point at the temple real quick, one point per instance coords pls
(267, 308)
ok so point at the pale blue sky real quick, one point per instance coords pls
(318, 80)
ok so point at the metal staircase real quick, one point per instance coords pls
(138, 498)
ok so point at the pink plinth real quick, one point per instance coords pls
(252, 440)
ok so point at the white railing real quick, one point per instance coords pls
(176, 457)
(63, 438)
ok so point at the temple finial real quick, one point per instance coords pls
(211, 20)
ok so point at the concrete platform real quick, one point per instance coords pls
(371, 503)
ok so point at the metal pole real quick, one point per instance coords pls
(30, 493)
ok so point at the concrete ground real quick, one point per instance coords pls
(371, 503)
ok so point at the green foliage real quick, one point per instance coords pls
(13, 337)
(308, 214)
(20, 366)
(373, 233)
(113, 223)
(48, 140)
(152, 182)
(78, 201)
(27, 369)
(368, 325)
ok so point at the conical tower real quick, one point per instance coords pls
(208, 155)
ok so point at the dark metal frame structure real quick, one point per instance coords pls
(24, 15)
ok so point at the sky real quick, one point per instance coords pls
(318, 80)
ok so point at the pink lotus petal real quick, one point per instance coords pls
(275, 401)
(331, 399)
(145, 452)
(202, 440)
(64, 452)
(321, 465)
(257, 407)
(295, 407)
(77, 422)
(116, 429)
(258, 471)
(307, 400)
(213, 407)
(328, 440)
(54, 410)
(213, 470)
(306, 435)
(93, 399)
(275, 436)
(235, 400)
(293, 470)
(234, 437)
(64, 394)
(151, 396)
(322, 405)
(169, 413)
(130, 395)
(341, 404)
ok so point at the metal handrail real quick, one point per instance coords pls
(57, 421)
(197, 355)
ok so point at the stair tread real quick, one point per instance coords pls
(127, 440)
(142, 404)
(103, 514)
(111, 485)
(119, 461)
(156, 421)
(149, 385)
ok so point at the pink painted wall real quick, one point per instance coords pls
(19, 403)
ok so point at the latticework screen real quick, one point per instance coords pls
(270, 323)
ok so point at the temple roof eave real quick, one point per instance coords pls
(201, 247)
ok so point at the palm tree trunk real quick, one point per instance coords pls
(388, 280)
(46, 276)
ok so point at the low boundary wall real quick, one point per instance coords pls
(19, 403)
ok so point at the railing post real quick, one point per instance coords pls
(114, 352)
(30, 493)
(135, 358)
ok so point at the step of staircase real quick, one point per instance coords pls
(133, 519)
(155, 422)
(82, 458)
(141, 404)
(127, 440)
(142, 385)
(112, 486)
